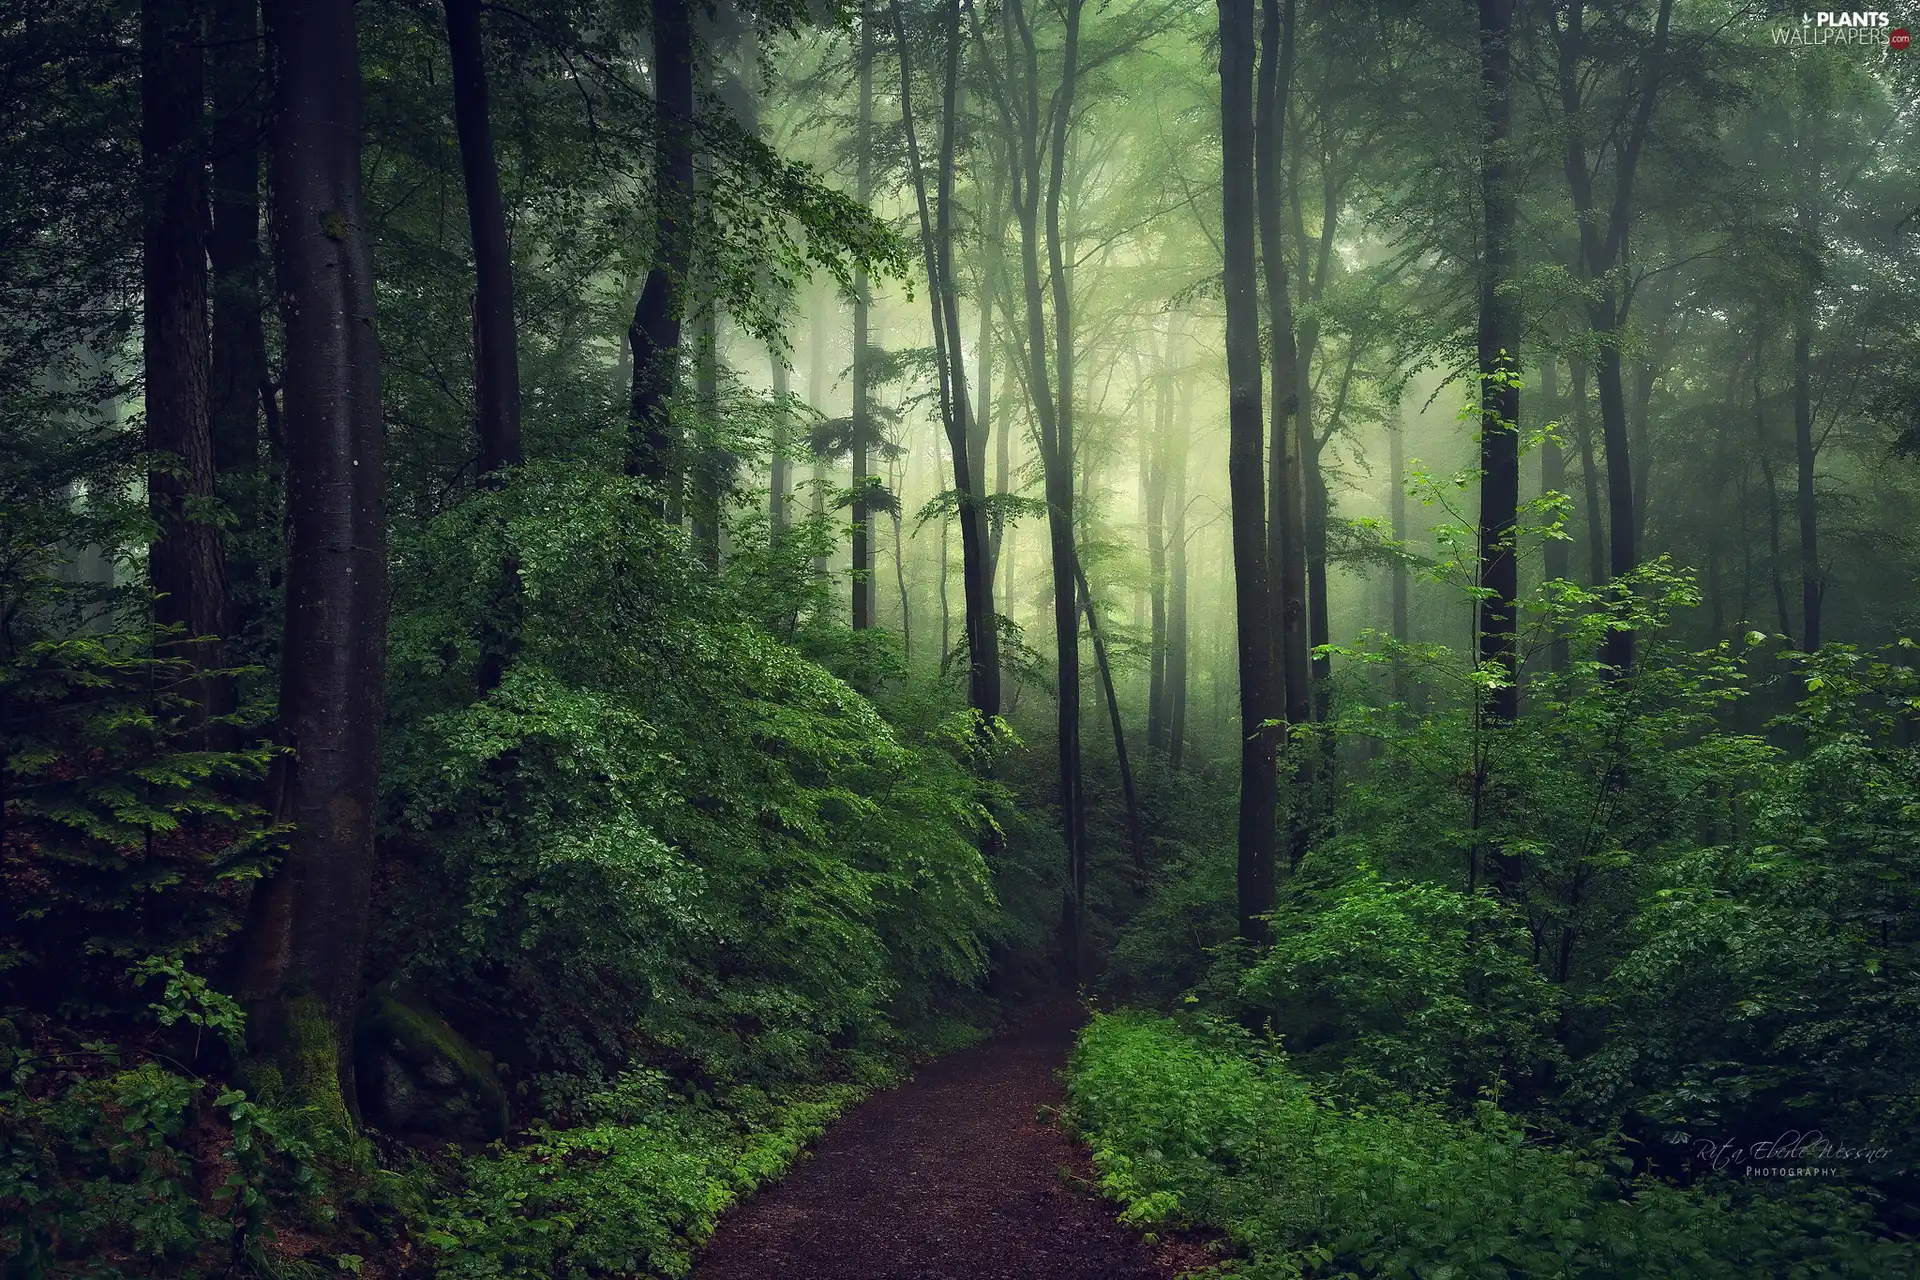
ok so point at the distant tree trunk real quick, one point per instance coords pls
(186, 564)
(307, 929)
(655, 332)
(1589, 475)
(1811, 586)
(1177, 663)
(1499, 344)
(496, 356)
(1286, 526)
(1246, 476)
(1397, 513)
(780, 484)
(862, 417)
(1553, 479)
(1154, 458)
(711, 467)
(1764, 448)
(817, 393)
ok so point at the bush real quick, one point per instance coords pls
(1207, 1126)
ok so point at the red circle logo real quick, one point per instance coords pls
(1899, 37)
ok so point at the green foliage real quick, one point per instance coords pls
(1410, 987)
(661, 801)
(634, 1190)
(1210, 1127)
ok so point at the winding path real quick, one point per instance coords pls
(952, 1176)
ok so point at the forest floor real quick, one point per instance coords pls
(961, 1173)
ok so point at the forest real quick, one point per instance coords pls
(884, 639)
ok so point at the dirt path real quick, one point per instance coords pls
(951, 1176)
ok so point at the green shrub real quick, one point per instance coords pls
(1206, 1126)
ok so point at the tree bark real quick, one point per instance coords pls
(186, 563)
(1286, 535)
(862, 417)
(496, 356)
(240, 372)
(780, 483)
(1136, 832)
(1499, 342)
(1397, 514)
(1177, 663)
(654, 335)
(1254, 604)
(309, 922)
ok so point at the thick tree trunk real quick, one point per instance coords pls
(1499, 343)
(654, 335)
(712, 466)
(496, 356)
(818, 392)
(1246, 474)
(308, 927)
(1288, 603)
(186, 564)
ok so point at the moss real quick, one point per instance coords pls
(417, 1072)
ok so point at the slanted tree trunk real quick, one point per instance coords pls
(186, 564)
(1246, 474)
(1499, 343)
(307, 929)
(496, 355)
(654, 335)
(1136, 831)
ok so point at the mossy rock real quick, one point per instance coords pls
(418, 1075)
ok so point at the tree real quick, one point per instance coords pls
(1498, 351)
(186, 563)
(308, 927)
(1246, 476)
(654, 335)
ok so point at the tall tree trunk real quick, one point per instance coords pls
(1589, 475)
(308, 926)
(1811, 586)
(712, 466)
(241, 379)
(496, 356)
(1764, 448)
(186, 563)
(818, 390)
(862, 417)
(780, 483)
(1154, 457)
(1177, 663)
(1397, 513)
(1553, 479)
(1499, 343)
(1246, 474)
(654, 335)
(1286, 527)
